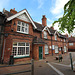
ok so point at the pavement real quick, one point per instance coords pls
(48, 66)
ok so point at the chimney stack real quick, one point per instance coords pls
(13, 11)
(44, 20)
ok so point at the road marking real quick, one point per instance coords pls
(60, 73)
(61, 64)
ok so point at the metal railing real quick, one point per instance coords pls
(32, 68)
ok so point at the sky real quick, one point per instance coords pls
(52, 9)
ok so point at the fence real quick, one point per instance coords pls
(32, 68)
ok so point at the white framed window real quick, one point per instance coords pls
(45, 34)
(70, 44)
(21, 49)
(22, 27)
(56, 49)
(55, 37)
(46, 49)
(65, 50)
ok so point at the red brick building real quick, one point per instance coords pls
(26, 39)
(71, 44)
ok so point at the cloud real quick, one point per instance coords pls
(57, 8)
(40, 2)
(3, 4)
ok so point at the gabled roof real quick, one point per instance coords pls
(12, 16)
(46, 28)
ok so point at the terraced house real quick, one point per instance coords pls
(27, 39)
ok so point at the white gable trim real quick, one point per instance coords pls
(46, 28)
(24, 11)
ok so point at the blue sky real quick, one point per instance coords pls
(53, 9)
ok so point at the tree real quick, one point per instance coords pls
(68, 20)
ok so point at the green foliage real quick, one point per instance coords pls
(68, 20)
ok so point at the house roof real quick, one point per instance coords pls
(39, 26)
(11, 16)
(8, 14)
(51, 30)
(71, 39)
(38, 41)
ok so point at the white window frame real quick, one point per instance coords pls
(45, 34)
(46, 49)
(56, 49)
(65, 50)
(70, 44)
(55, 37)
(23, 27)
(21, 46)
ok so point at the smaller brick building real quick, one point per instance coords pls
(71, 44)
(26, 39)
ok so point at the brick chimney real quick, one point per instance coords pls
(44, 20)
(13, 11)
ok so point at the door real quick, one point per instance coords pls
(56, 49)
(40, 52)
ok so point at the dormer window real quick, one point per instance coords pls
(55, 37)
(22, 27)
(45, 34)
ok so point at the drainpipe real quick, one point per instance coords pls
(3, 51)
(51, 45)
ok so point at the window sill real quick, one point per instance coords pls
(22, 32)
(21, 57)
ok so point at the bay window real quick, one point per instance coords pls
(21, 49)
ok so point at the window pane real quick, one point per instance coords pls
(26, 25)
(14, 51)
(22, 29)
(21, 44)
(21, 50)
(25, 29)
(19, 22)
(22, 23)
(18, 28)
(27, 50)
(14, 43)
(27, 44)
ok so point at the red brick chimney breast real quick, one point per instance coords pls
(13, 11)
(44, 20)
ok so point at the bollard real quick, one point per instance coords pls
(71, 61)
(32, 67)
